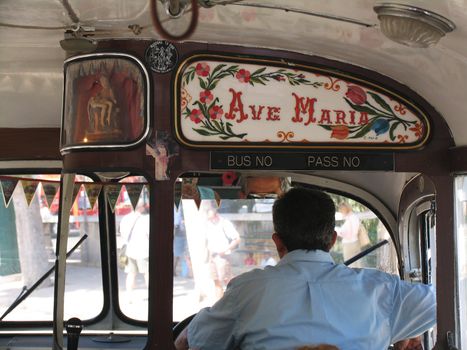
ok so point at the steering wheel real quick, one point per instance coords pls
(180, 326)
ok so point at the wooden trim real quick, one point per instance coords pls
(445, 247)
(29, 144)
(161, 266)
(458, 159)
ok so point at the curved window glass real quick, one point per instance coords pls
(249, 222)
(105, 102)
(28, 236)
(461, 230)
(131, 212)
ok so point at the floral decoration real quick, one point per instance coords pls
(207, 112)
(382, 118)
(228, 178)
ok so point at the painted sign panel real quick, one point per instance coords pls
(242, 103)
(105, 102)
(301, 161)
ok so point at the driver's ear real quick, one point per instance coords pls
(333, 240)
(280, 246)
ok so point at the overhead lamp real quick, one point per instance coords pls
(412, 26)
(78, 45)
(76, 40)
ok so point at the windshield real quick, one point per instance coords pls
(248, 221)
(28, 235)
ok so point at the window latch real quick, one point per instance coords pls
(433, 213)
(415, 275)
(451, 341)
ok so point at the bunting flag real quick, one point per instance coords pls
(190, 190)
(8, 187)
(74, 208)
(207, 193)
(134, 192)
(92, 191)
(29, 188)
(76, 188)
(50, 191)
(177, 193)
(112, 192)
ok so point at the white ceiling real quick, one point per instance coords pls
(31, 59)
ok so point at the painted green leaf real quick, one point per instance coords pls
(213, 103)
(360, 108)
(203, 132)
(363, 131)
(224, 74)
(228, 127)
(259, 71)
(391, 131)
(256, 80)
(217, 125)
(202, 84)
(213, 85)
(379, 100)
(218, 68)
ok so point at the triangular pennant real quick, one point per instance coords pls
(134, 192)
(207, 193)
(8, 187)
(76, 189)
(92, 191)
(50, 191)
(177, 194)
(190, 191)
(29, 188)
(112, 192)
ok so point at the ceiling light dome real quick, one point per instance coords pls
(412, 26)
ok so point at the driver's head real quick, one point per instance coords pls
(304, 219)
(212, 215)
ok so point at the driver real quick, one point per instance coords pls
(308, 299)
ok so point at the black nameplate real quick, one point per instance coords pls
(302, 161)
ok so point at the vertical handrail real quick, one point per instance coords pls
(66, 201)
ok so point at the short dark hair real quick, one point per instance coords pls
(304, 219)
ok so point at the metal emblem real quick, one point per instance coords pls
(162, 56)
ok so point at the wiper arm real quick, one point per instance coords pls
(365, 252)
(26, 291)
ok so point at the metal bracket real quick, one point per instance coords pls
(433, 212)
(450, 338)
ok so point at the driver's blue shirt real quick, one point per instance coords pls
(308, 299)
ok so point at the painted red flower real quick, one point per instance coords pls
(196, 116)
(243, 75)
(417, 129)
(202, 69)
(356, 94)
(216, 112)
(339, 132)
(206, 96)
(278, 77)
